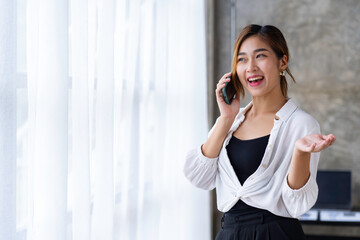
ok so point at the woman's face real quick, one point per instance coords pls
(258, 67)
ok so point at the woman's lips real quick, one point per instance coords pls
(255, 81)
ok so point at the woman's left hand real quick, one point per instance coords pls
(314, 142)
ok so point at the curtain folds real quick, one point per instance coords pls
(102, 220)
(81, 105)
(116, 95)
(50, 167)
(7, 120)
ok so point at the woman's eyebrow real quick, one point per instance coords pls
(255, 51)
(260, 50)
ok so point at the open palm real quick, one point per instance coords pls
(315, 142)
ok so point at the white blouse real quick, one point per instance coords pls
(267, 187)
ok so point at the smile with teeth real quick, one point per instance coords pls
(254, 79)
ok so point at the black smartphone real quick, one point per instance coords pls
(229, 91)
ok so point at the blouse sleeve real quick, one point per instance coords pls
(200, 170)
(299, 201)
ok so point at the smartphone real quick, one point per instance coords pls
(229, 91)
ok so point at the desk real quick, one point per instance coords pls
(331, 224)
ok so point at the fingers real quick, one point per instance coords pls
(323, 145)
(328, 138)
(222, 82)
(319, 142)
(332, 138)
(225, 78)
(312, 147)
(226, 75)
(328, 141)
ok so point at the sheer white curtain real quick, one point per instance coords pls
(115, 94)
(7, 120)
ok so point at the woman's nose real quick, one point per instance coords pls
(251, 65)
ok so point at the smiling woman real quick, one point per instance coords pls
(262, 159)
(274, 41)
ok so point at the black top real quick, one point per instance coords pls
(245, 157)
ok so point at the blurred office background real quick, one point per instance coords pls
(323, 37)
(101, 99)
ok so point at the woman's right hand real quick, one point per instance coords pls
(212, 147)
(226, 111)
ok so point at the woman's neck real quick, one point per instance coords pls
(267, 104)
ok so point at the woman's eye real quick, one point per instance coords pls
(241, 59)
(260, 56)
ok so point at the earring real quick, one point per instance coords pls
(282, 73)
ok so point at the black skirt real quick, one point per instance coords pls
(259, 225)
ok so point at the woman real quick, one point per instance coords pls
(263, 158)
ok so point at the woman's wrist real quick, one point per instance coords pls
(300, 154)
(226, 120)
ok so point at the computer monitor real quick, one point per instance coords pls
(334, 190)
